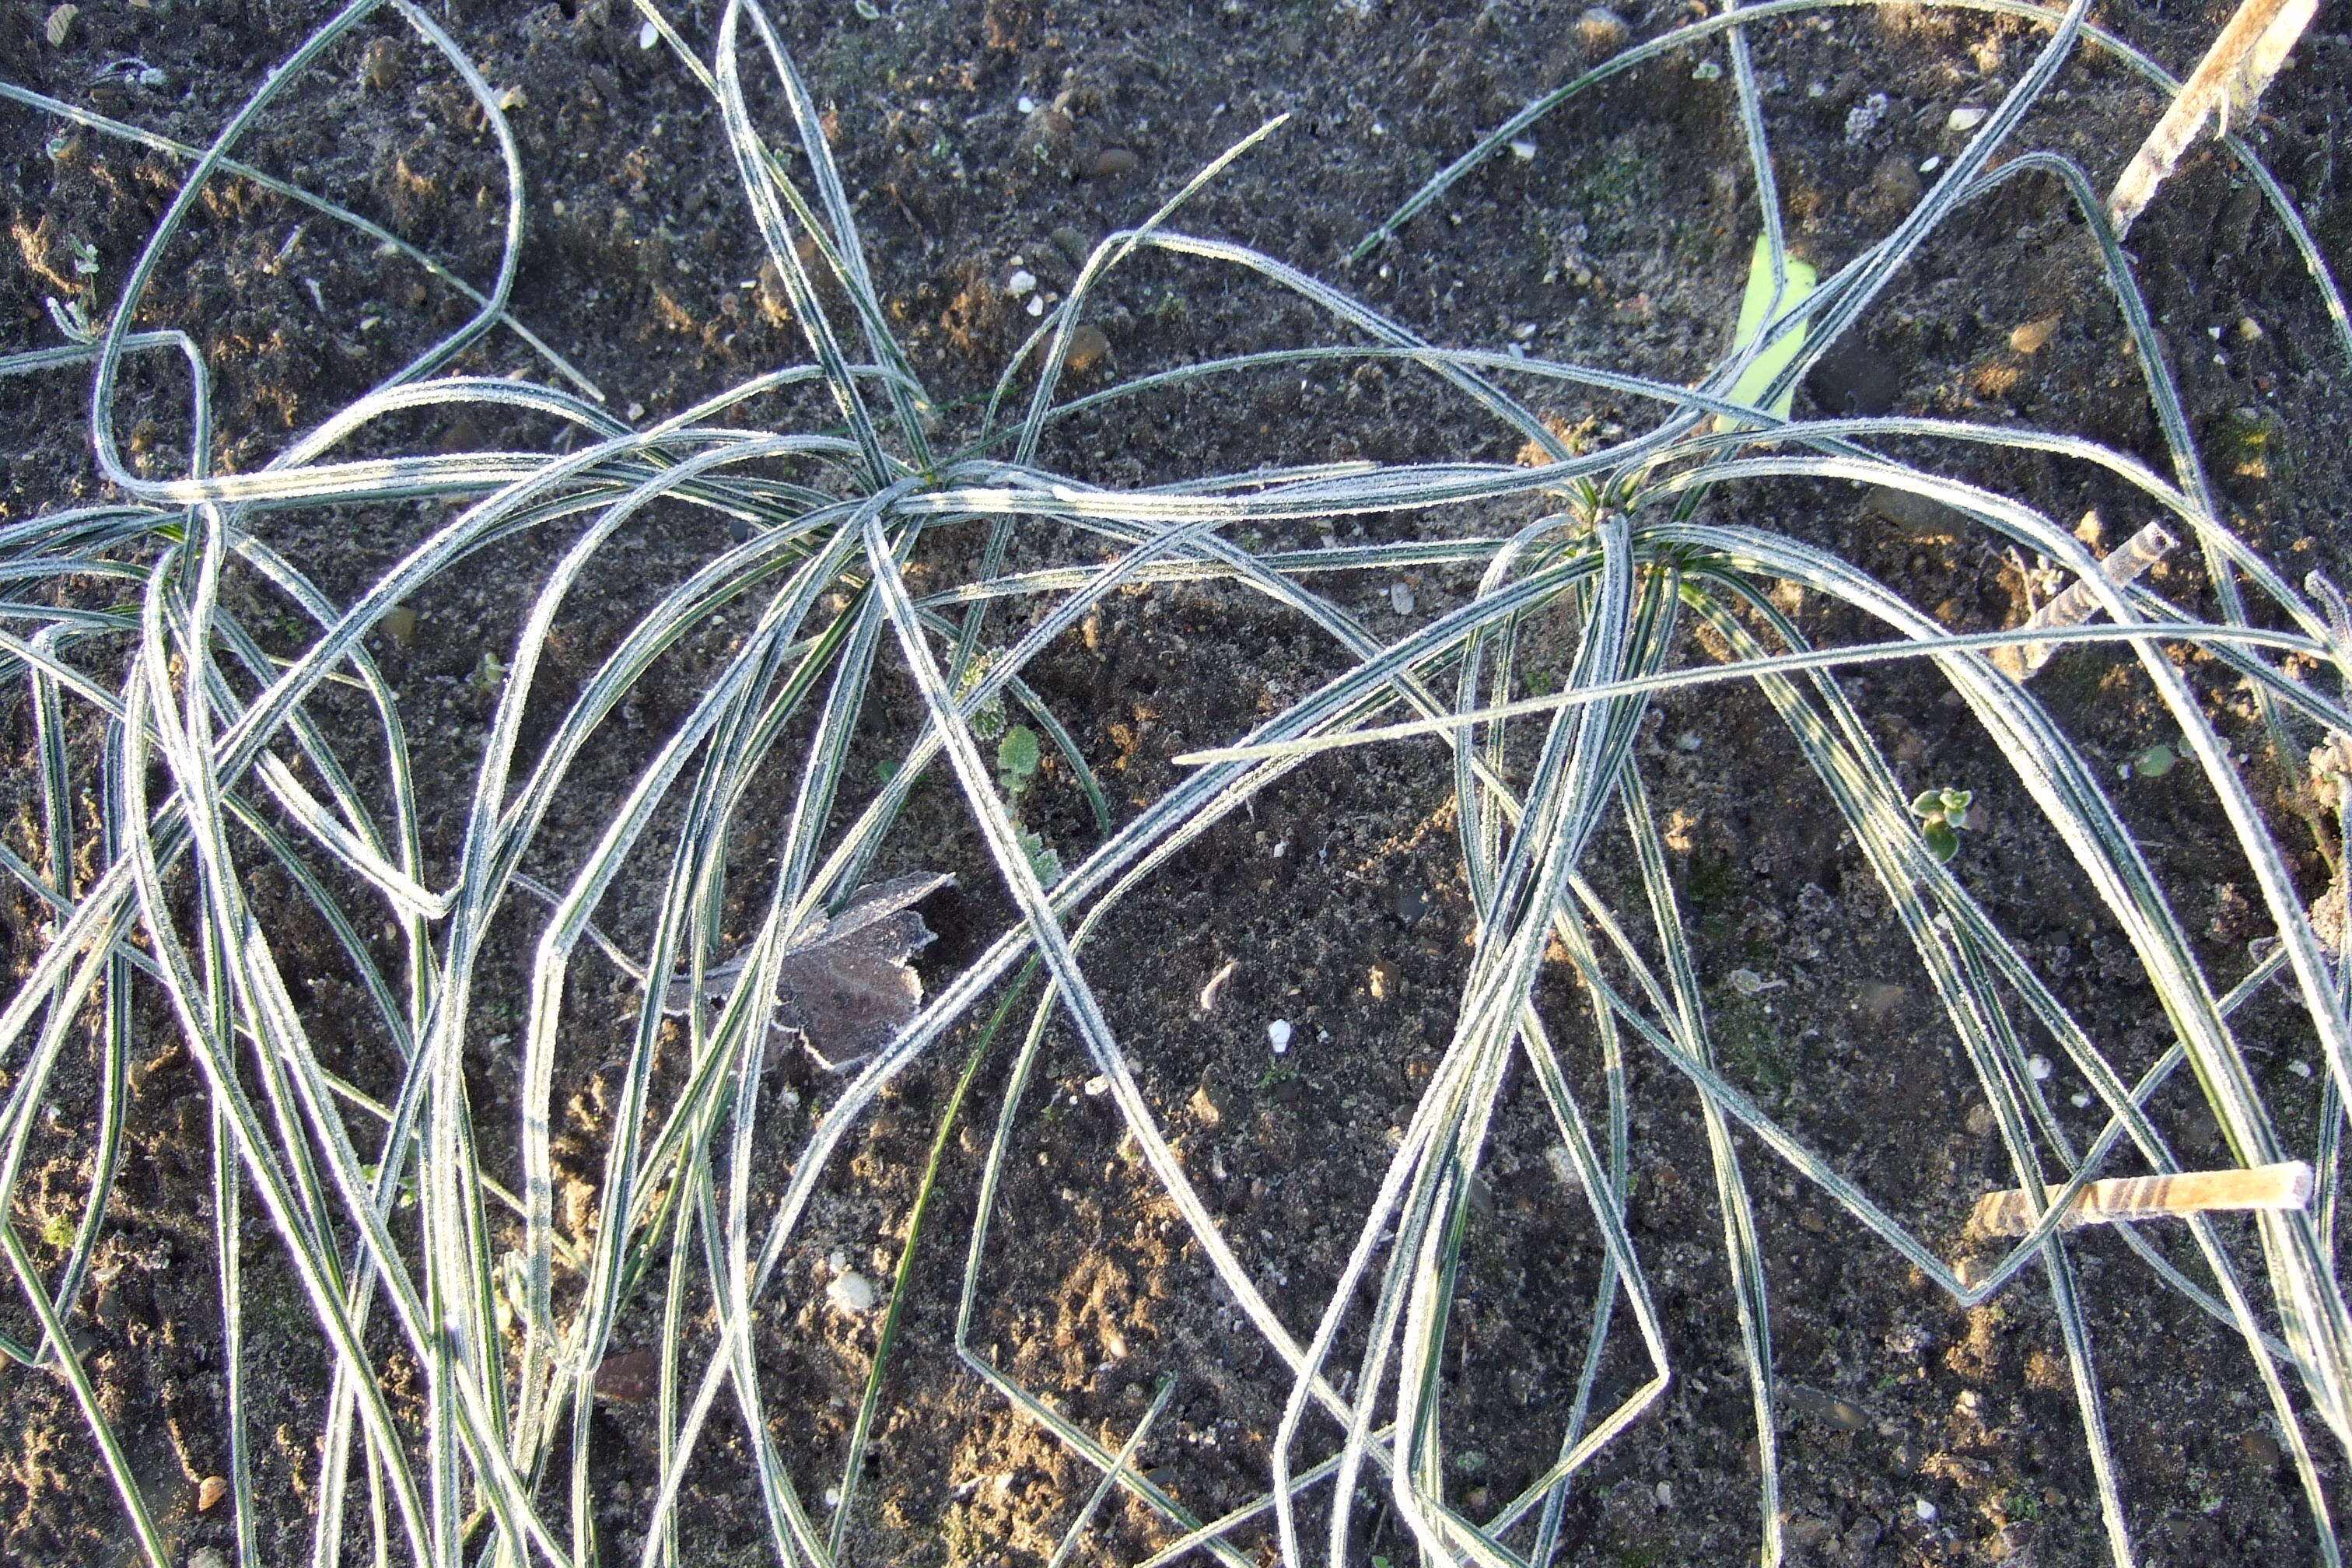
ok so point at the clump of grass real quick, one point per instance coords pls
(217, 770)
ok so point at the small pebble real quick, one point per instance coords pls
(1036, 305)
(1601, 30)
(2300, 1069)
(1924, 1509)
(1968, 117)
(1524, 150)
(1931, 163)
(1401, 598)
(2030, 338)
(832, 1496)
(209, 1493)
(1384, 979)
(1088, 348)
(399, 624)
(1666, 1495)
(648, 36)
(1838, 1415)
(1097, 1086)
(207, 1557)
(1021, 282)
(1025, 104)
(853, 1292)
(2261, 1448)
(1208, 1105)
(1111, 163)
(380, 65)
(2038, 1066)
(1277, 1035)
(2080, 1101)
(2250, 330)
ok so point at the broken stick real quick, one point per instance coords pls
(2250, 50)
(2287, 1186)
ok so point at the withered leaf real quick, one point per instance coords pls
(844, 988)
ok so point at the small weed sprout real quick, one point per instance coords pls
(1018, 758)
(1942, 813)
(987, 716)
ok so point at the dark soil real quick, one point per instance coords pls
(1915, 1432)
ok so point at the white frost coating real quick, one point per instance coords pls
(1864, 118)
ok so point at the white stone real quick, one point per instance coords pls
(1968, 117)
(853, 1292)
(1020, 282)
(1277, 1035)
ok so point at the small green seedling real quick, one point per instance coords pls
(1942, 813)
(1017, 758)
(1016, 762)
(988, 719)
(488, 675)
